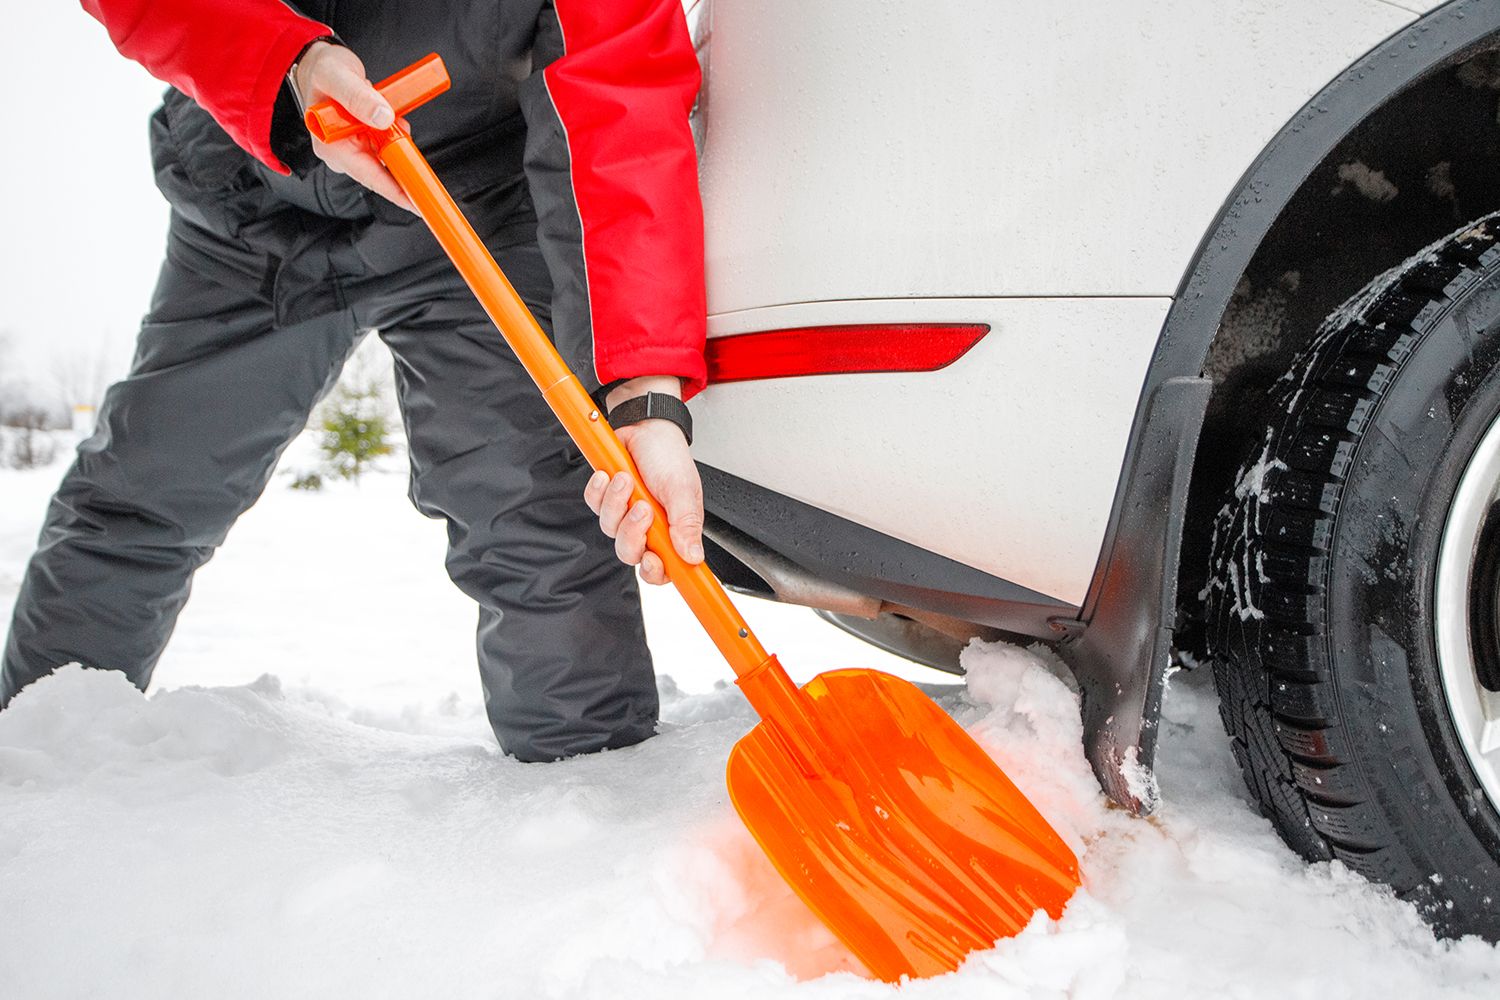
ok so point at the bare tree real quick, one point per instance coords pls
(10, 386)
(31, 444)
(80, 376)
(83, 373)
(17, 392)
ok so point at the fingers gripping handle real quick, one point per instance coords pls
(761, 677)
(406, 90)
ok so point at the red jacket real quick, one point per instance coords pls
(621, 87)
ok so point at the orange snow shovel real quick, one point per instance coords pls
(876, 807)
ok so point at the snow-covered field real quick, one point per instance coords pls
(310, 804)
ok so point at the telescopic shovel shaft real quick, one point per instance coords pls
(765, 684)
(562, 390)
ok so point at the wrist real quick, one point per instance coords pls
(652, 408)
(296, 75)
(669, 385)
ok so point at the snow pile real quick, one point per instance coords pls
(352, 830)
(256, 841)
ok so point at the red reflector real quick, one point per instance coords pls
(839, 350)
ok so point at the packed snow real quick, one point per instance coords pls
(310, 804)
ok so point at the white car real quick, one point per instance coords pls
(1045, 321)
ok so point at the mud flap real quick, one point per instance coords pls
(1120, 646)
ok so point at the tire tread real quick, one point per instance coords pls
(1267, 638)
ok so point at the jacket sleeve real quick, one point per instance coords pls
(614, 177)
(231, 56)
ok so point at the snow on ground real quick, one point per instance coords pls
(310, 804)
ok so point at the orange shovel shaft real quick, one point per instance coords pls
(563, 392)
(764, 682)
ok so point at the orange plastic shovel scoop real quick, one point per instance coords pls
(876, 807)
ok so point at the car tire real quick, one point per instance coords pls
(1352, 601)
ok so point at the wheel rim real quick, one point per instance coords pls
(1465, 627)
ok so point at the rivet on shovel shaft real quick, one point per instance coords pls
(889, 821)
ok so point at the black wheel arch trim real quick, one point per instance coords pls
(1441, 38)
(1141, 536)
(1120, 656)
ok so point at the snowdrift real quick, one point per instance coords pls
(262, 841)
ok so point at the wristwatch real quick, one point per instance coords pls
(654, 406)
(291, 73)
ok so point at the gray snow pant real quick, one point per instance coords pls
(188, 441)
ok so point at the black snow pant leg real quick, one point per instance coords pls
(183, 446)
(562, 648)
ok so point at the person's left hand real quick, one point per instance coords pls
(661, 454)
(331, 71)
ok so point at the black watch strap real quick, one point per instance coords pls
(653, 406)
(291, 72)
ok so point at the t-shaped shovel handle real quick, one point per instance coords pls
(764, 682)
(405, 91)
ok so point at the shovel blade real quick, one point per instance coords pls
(905, 838)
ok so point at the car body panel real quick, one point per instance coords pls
(1006, 460)
(1017, 164)
(973, 148)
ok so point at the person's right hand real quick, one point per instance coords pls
(326, 72)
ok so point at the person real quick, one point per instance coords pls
(566, 140)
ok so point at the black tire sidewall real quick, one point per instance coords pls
(1381, 598)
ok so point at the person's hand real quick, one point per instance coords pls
(333, 72)
(661, 454)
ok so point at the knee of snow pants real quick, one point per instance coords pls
(562, 647)
(189, 439)
(184, 444)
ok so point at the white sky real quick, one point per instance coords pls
(84, 224)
